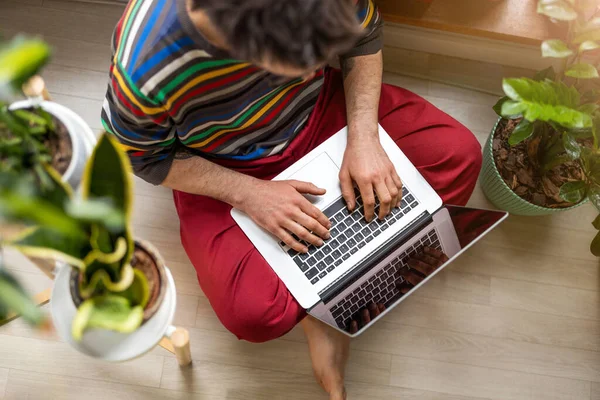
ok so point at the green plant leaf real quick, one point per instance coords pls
(544, 101)
(594, 195)
(596, 222)
(573, 192)
(582, 71)
(557, 9)
(590, 31)
(97, 211)
(498, 106)
(108, 312)
(544, 74)
(138, 293)
(571, 146)
(589, 108)
(522, 131)
(595, 246)
(14, 299)
(555, 48)
(21, 59)
(588, 45)
(46, 243)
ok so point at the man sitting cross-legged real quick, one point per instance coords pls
(213, 98)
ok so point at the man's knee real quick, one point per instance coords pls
(260, 316)
(467, 155)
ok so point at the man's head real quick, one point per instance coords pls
(290, 38)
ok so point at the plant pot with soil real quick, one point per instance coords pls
(108, 286)
(34, 132)
(543, 154)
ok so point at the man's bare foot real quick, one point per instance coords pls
(329, 351)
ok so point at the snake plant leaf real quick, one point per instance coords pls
(108, 175)
(19, 202)
(102, 279)
(582, 71)
(20, 60)
(138, 293)
(573, 192)
(96, 211)
(44, 242)
(108, 312)
(13, 299)
(58, 192)
(544, 101)
(555, 48)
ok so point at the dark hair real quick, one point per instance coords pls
(300, 33)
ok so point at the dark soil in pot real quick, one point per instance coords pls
(59, 146)
(145, 259)
(522, 174)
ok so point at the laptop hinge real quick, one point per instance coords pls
(344, 281)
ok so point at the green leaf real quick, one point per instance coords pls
(589, 108)
(573, 192)
(555, 48)
(21, 59)
(588, 45)
(29, 117)
(594, 195)
(14, 299)
(596, 222)
(582, 71)
(498, 106)
(546, 101)
(557, 9)
(138, 293)
(590, 31)
(595, 246)
(97, 211)
(571, 146)
(108, 312)
(522, 131)
(544, 74)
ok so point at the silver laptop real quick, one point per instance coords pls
(362, 262)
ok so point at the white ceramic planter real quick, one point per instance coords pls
(82, 137)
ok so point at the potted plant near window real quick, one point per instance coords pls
(543, 154)
(115, 283)
(38, 131)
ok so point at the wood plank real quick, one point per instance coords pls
(481, 351)
(457, 286)
(488, 383)
(491, 258)
(363, 391)
(595, 391)
(34, 385)
(555, 300)
(187, 308)
(281, 356)
(476, 117)
(510, 20)
(58, 23)
(42, 356)
(3, 379)
(497, 322)
(77, 82)
(113, 11)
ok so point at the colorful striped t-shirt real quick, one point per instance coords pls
(169, 89)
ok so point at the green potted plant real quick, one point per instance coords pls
(34, 132)
(116, 283)
(543, 154)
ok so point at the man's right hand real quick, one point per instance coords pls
(280, 208)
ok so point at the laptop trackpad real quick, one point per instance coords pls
(323, 172)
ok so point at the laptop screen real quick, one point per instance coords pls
(404, 269)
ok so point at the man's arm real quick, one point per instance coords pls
(365, 161)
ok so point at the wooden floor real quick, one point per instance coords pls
(518, 317)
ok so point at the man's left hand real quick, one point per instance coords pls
(367, 164)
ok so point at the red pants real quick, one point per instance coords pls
(245, 293)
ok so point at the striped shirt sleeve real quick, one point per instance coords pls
(142, 126)
(372, 23)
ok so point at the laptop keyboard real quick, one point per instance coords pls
(382, 287)
(349, 233)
